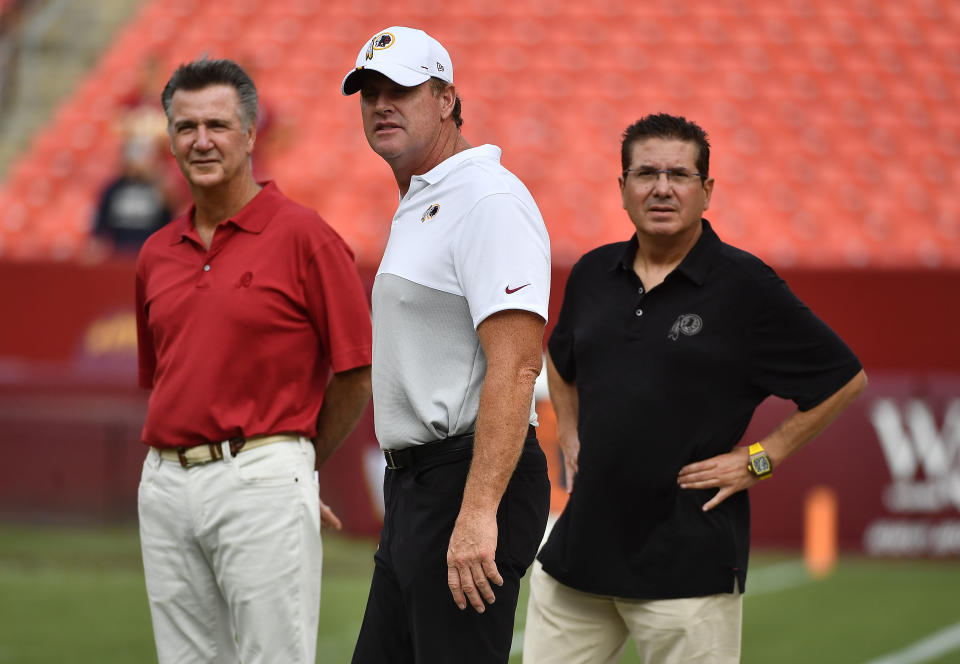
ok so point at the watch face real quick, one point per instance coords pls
(761, 464)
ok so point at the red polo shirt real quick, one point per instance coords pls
(240, 339)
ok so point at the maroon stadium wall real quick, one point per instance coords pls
(70, 413)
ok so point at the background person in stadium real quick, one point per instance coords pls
(244, 307)
(664, 347)
(140, 120)
(132, 206)
(459, 306)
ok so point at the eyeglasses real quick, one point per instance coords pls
(675, 176)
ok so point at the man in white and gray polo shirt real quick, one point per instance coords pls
(459, 307)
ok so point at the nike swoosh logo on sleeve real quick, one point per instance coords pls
(511, 291)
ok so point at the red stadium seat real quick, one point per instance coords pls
(831, 122)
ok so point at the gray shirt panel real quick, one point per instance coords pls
(428, 365)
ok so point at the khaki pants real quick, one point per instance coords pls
(566, 626)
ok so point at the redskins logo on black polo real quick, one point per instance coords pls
(430, 213)
(688, 324)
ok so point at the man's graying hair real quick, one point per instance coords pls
(662, 125)
(201, 74)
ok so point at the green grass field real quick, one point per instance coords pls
(76, 596)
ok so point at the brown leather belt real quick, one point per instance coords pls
(417, 454)
(200, 454)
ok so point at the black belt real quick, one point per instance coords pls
(417, 454)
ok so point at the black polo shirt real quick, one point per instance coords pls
(664, 379)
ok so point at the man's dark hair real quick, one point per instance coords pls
(662, 125)
(201, 74)
(438, 85)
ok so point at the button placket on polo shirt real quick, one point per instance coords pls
(645, 314)
(635, 316)
(203, 281)
(220, 238)
(641, 293)
(639, 303)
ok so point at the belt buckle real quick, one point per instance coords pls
(215, 455)
(391, 462)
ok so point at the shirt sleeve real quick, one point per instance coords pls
(146, 353)
(502, 258)
(796, 355)
(560, 344)
(338, 305)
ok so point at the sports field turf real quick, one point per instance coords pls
(72, 595)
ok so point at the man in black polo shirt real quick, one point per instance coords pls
(664, 347)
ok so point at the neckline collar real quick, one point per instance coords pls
(252, 217)
(444, 168)
(694, 265)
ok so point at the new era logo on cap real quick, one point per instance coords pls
(404, 55)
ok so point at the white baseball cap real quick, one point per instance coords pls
(406, 56)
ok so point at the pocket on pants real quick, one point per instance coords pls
(523, 514)
(278, 464)
(446, 476)
(149, 468)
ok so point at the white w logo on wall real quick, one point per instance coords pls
(912, 442)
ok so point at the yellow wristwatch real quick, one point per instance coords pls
(759, 464)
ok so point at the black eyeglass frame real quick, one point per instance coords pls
(668, 172)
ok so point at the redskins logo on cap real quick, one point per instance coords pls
(380, 42)
(430, 213)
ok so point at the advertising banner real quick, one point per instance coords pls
(70, 415)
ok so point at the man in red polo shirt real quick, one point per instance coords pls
(245, 307)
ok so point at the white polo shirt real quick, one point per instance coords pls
(467, 241)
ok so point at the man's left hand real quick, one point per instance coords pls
(726, 472)
(470, 561)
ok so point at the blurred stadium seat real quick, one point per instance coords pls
(833, 123)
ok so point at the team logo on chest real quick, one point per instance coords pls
(688, 324)
(430, 213)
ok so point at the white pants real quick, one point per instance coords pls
(566, 626)
(232, 556)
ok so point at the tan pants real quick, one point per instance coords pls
(566, 626)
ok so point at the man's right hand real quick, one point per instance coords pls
(563, 396)
(570, 446)
(471, 565)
